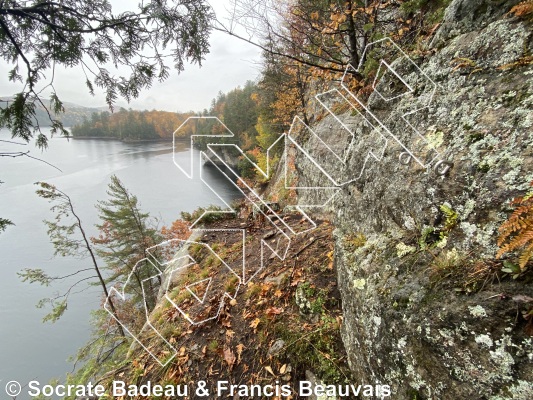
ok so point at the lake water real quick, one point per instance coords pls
(30, 349)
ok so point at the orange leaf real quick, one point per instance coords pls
(274, 311)
(240, 348)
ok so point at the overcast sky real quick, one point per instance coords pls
(230, 63)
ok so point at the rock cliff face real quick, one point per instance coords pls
(228, 159)
(425, 307)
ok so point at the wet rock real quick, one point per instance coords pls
(409, 322)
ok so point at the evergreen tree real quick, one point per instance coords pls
(125, 235)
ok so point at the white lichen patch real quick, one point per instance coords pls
(486, 237)
(468, 228)
(416, 380)
(434, 138)
(409, 223)
(477, 311)
(402, 249)
(484, 340)
(448, 337)
(511, 177)
(359, 283)
(402, 342)
(466, 209)
(503, 359)
(521, 390)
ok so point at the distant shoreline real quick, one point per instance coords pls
(124, 140)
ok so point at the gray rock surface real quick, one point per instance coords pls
(470, 15)
(409, 322)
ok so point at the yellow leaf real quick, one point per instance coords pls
(283, 369)
(255, 323)
(270, 370)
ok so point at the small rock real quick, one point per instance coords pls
(276, 279)
(269, 234)
(276, 347)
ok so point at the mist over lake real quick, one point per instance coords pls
(30, 349)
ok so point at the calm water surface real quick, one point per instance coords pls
(30, 349)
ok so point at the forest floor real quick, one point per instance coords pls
(281, 327)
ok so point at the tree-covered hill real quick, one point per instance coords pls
(74, 113)
(131, 125)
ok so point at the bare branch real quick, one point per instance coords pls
(27, 154)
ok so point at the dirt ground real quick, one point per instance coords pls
(278, 327)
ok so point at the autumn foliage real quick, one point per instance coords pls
(523, 9)
(179, 229)
(517, 232)
(133, 124)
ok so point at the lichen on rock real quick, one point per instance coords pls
(408, 320)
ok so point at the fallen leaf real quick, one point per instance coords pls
(183, 360)
(296, 281)
(229, 356)
(255, 323)
(274, 311)
(226, 323)
(240, 348)
(283, 369)
(270, 370)
(265, 287)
